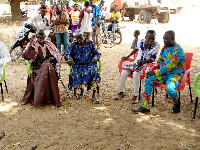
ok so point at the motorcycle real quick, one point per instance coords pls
(109, 38)
(22, 40)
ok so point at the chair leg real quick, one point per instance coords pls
(97, 89)
(153, 98)
(74, 91)
(195, 108)
(156, 90)
(179, 98)
(2, 92)
(166, 95)
(190, 94)
(6, 86)
(139, 90)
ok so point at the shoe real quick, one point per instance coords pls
(141, 109)
(135, 101)
(176, 108)
(120, 96)
(95, 100)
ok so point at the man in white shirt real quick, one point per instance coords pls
(148, 49)
(40, 21)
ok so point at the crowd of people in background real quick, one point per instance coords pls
(64, 20)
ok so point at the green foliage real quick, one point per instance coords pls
(82, 1)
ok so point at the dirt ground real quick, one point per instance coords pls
(79, 124)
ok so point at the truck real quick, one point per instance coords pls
(148, 9)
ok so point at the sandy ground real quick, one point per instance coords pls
(79, 124)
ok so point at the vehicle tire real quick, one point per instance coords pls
(15, 53)
(118, 37)
(145, 16)
(132, 17)
(163, 18)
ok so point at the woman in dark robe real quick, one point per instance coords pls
(42, 84)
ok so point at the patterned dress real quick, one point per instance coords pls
(172, 62)
(84, 71)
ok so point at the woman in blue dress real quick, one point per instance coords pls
(82, 55)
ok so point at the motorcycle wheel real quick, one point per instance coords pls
(107, 41)
(118, 37)
(15, 53)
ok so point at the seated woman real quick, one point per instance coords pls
(42, 85)
(82, 55)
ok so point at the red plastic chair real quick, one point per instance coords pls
(186, 78)
(131, 76)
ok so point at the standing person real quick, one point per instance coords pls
(115, 19)
(60, 20)
(103, 14)
(96, 24)
(53, 7)
(86, 16)
(42, 84)
(40, 21)
(48, 9)
(82, 55)
(172, 62)
(68, 8)
(148, 50)
(74, 18)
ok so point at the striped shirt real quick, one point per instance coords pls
(74, 16)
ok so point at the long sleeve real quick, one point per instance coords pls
(95, 52)
(4, 54)
(29, 52)
(69, 52)
(171, 61)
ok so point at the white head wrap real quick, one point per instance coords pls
(78, 32)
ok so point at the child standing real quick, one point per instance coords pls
(135, 39)
(74, 18)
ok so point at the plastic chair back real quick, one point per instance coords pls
(188, 60)
(29, 68)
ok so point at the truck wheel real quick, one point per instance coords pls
(132, 17)
(145, 16)
(163, 18)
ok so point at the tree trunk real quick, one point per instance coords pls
(15, 10)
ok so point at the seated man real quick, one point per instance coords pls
(40, 21)
(42, 85)
(172, 62)
(115, 18)
(148, 50)
(82, 55)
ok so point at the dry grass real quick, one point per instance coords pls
(8, 30)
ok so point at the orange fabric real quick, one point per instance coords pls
(49, 11)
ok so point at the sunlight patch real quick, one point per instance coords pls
(143, 118)
(100, 108)
(107, 120)
(7, 107)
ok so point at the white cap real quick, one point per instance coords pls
(78, 32)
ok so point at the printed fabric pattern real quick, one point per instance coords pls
(172, 62)
(84, 71)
